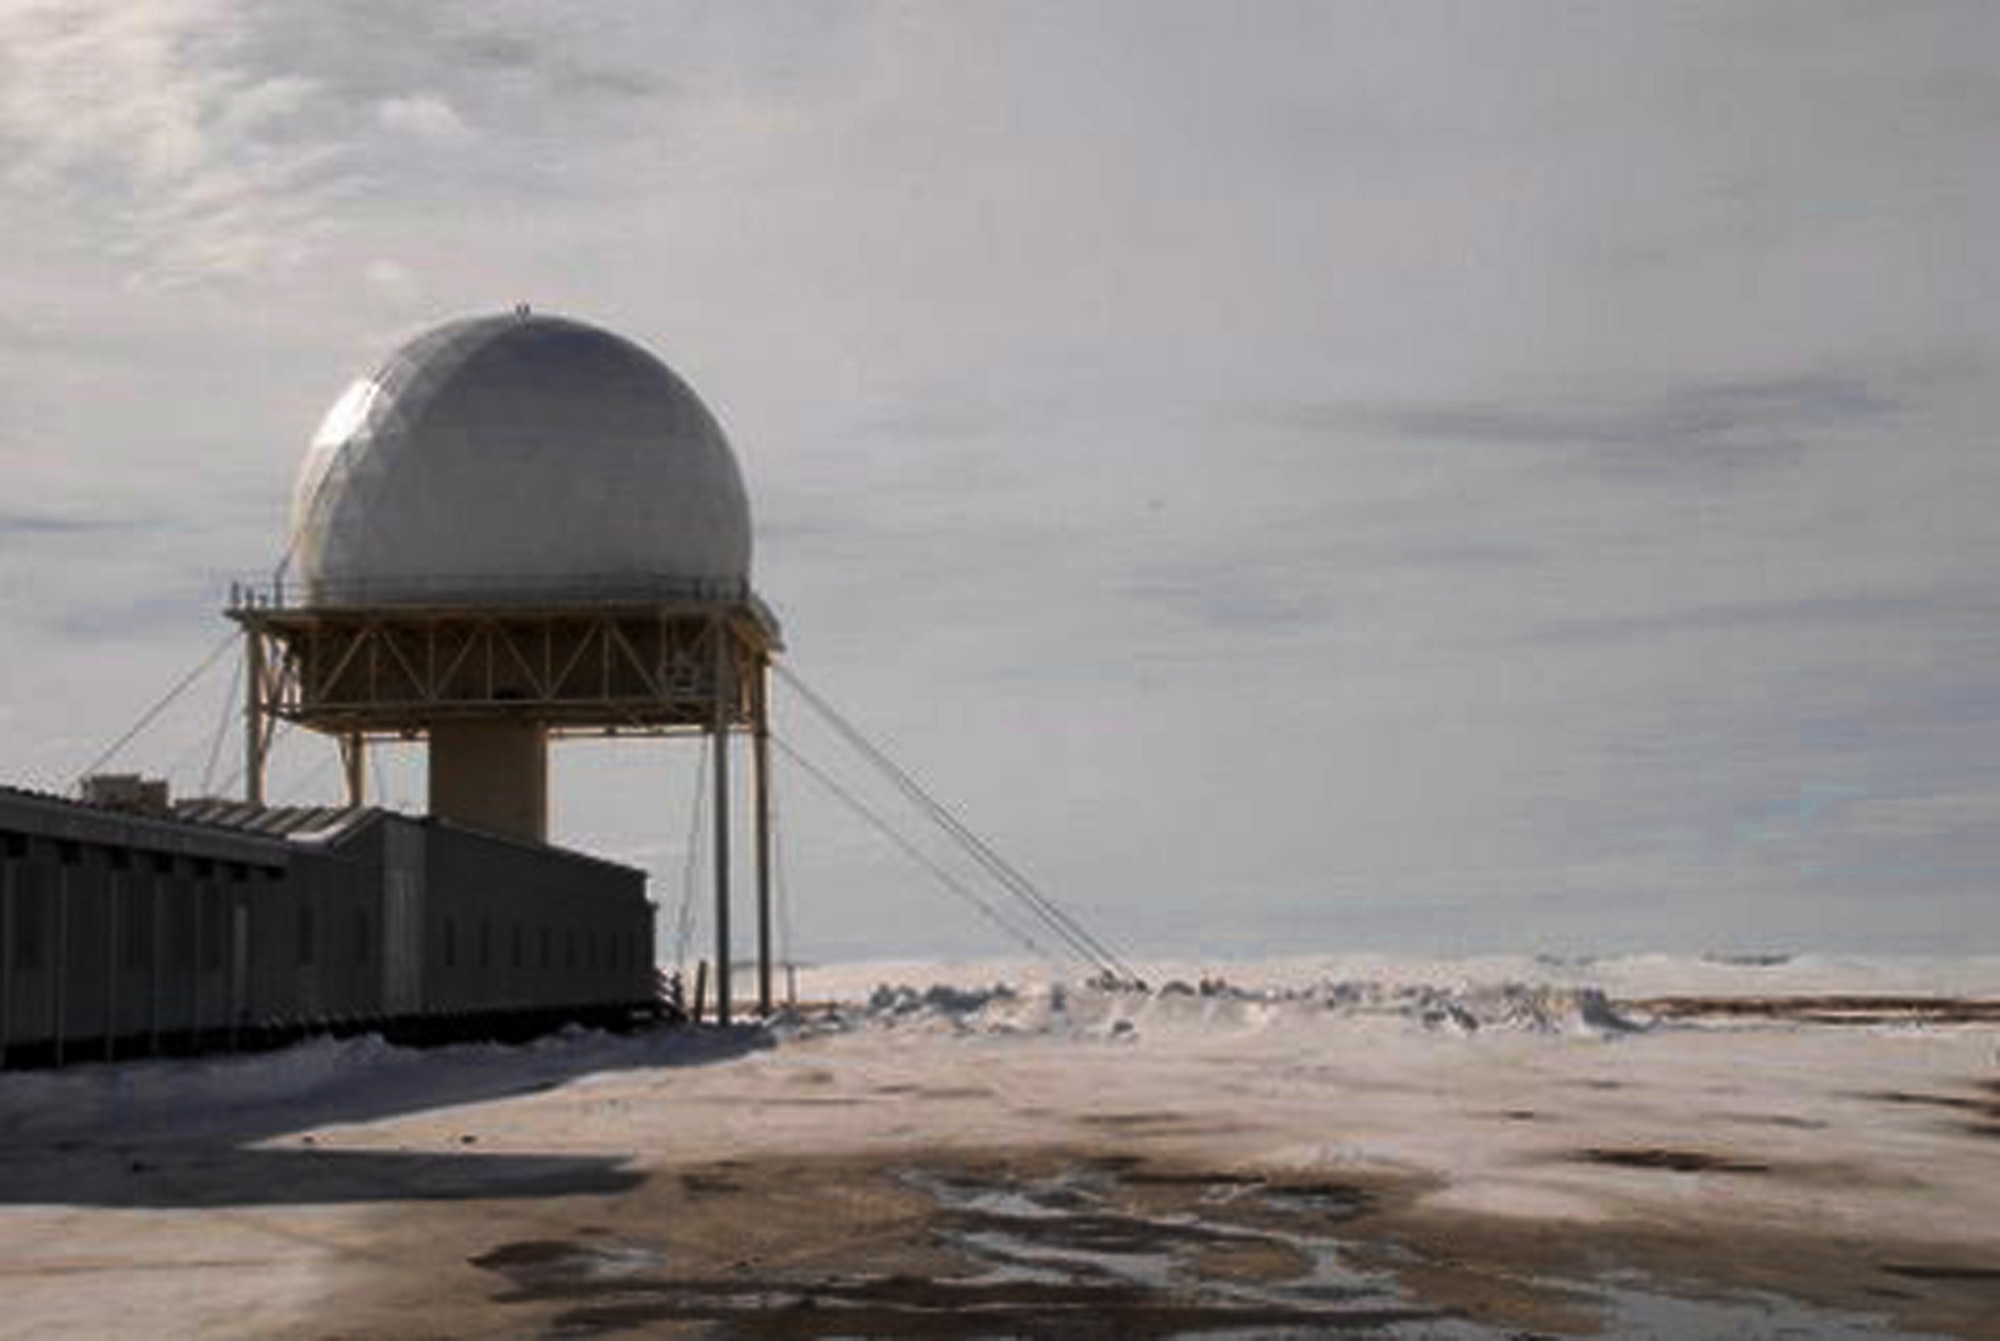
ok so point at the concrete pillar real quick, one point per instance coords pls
(354, 767)
(492, 776)
(254, 739)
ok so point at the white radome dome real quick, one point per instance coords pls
(519, 458)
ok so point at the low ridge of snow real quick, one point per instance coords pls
(1213, 1002)
(1617, 976)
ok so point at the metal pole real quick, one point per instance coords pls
(253, 717)
(720, 726)
(760, 795)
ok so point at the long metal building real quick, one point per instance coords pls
(219, 924)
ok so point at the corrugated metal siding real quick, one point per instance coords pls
(404, 873)
(113, 927)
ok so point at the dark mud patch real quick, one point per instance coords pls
(1097, 1233)
(1056, 1254)
(1208, 1250)
(1253, 1261)
(1957, 1102)
(1153, 1126)
(541, 1266)
(1130, 1166)
(1073, 1246)
(526, 1256)
(1939, 1271)
(709, 1184)
(1668, 1160)
(1823, 1009)
(1787, 1121)
(1982, 1106)
(933, 1091)
(914, 1307)
(1133, 1121)
(1320, 1202)
(1084, 1243)
(1138, 1175)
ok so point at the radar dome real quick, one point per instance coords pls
(519, 457)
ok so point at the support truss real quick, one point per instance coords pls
(391, 671)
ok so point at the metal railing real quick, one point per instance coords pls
(281, 593)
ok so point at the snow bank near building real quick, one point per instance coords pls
(322, 1080)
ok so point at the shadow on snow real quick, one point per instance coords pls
(194, 1134)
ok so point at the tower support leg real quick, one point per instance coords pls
(720, 726)
(760, 800)
(255, 740)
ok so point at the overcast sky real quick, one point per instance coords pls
(1429, 477)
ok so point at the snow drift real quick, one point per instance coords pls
(1214, 1003)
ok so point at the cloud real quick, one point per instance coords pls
(15, 521)
(391, 282)
(545, 52)
(1714, 425)
(1926, 818)
(137, 124)
(423, 116)
(1847, 614)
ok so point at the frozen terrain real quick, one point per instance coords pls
(1357, 1145)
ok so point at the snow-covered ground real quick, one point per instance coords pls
(257, 1193)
